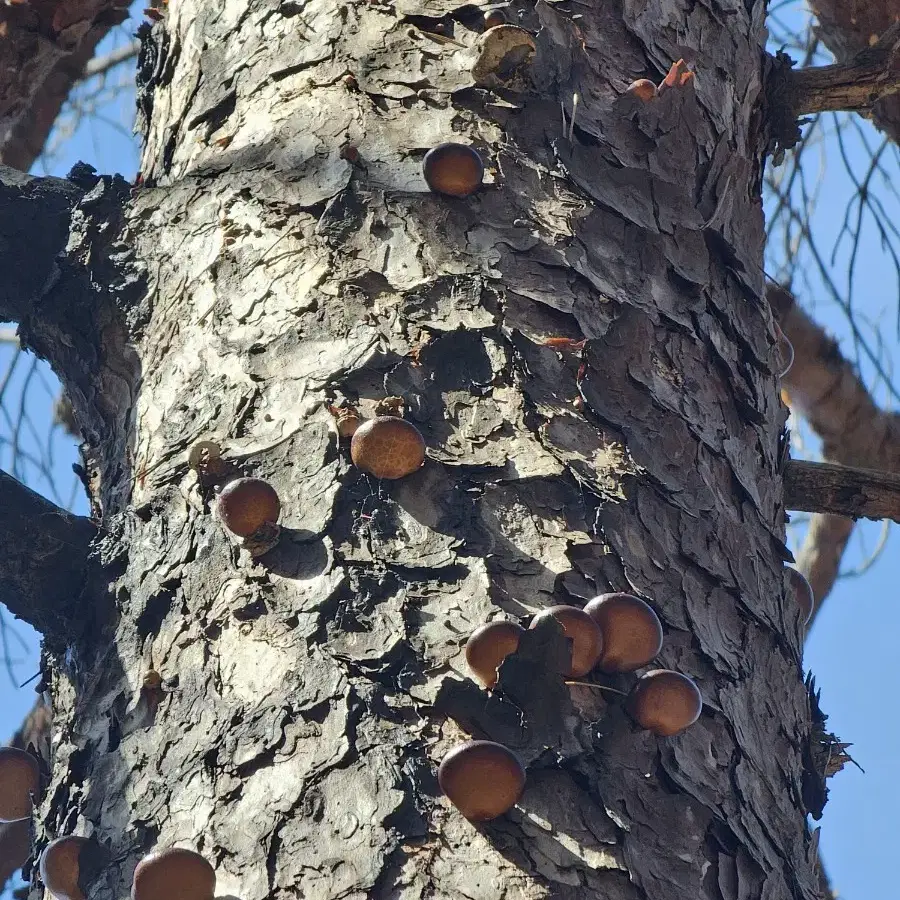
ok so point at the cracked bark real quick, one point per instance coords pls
(261, 276)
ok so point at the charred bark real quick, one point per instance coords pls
(305, 702)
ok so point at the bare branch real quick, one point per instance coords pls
(848, 29)
(102, 64)
(841, 490)
(853, 87)
(824, 388)
(43, 53)
(820, 556)
(44, 563)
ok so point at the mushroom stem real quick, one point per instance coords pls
(599, 687)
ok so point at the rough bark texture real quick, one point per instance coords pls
(307, 692)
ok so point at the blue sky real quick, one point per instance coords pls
(852, 645)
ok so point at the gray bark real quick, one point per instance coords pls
(310, 691)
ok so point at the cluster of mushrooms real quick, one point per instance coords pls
(69, 863)
(615, 633)
(386, 446)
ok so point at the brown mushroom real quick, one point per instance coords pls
(20, 777)
(802, 592)
(453, 169)
(489, 645)
(246, 504)
(482, 779)
(643, 89)
(61, 867)
(632, 633)
(495, 18)
(387, 447)
(174, 873)
(664, 702)
(583, 631)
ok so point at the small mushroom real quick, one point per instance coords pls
(489, 645)
(61, 867)
(643, 89)
(503, 53)
(632, 633)
(20, 776)
(174, 873)
(802, 592)
(582, 630)
(494, 18)
(482, 779)
(388, 447)
(245, 505)
(664, 702)
(453, 169)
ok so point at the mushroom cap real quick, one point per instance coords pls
(453, 169)
(802, 592)
(644, 89)
(664, 702)
(246, 504)
(171, 874)
(582, 630)
(482, 779)
(632, 633)
(20, 777)
(494, 18)
(489, 645)
(387, 447)
(61, 866)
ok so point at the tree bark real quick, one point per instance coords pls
(266, 272)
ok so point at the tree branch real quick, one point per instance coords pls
(43, 558)
(34, 227)
(824, 388)
(841, 490)
(100, 65)
(853, 87)
(43, 52)
(847, 29)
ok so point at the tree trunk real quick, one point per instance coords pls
(285, 254)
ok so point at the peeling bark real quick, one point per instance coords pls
(305, 693)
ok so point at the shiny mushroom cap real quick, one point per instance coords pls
(489, 645)
(453, 169)
(20, 777)
(482, 779)
(174, 874)
(246, 504)
(632, 633)
(664, 702)
(582, 630)
(387, 447)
